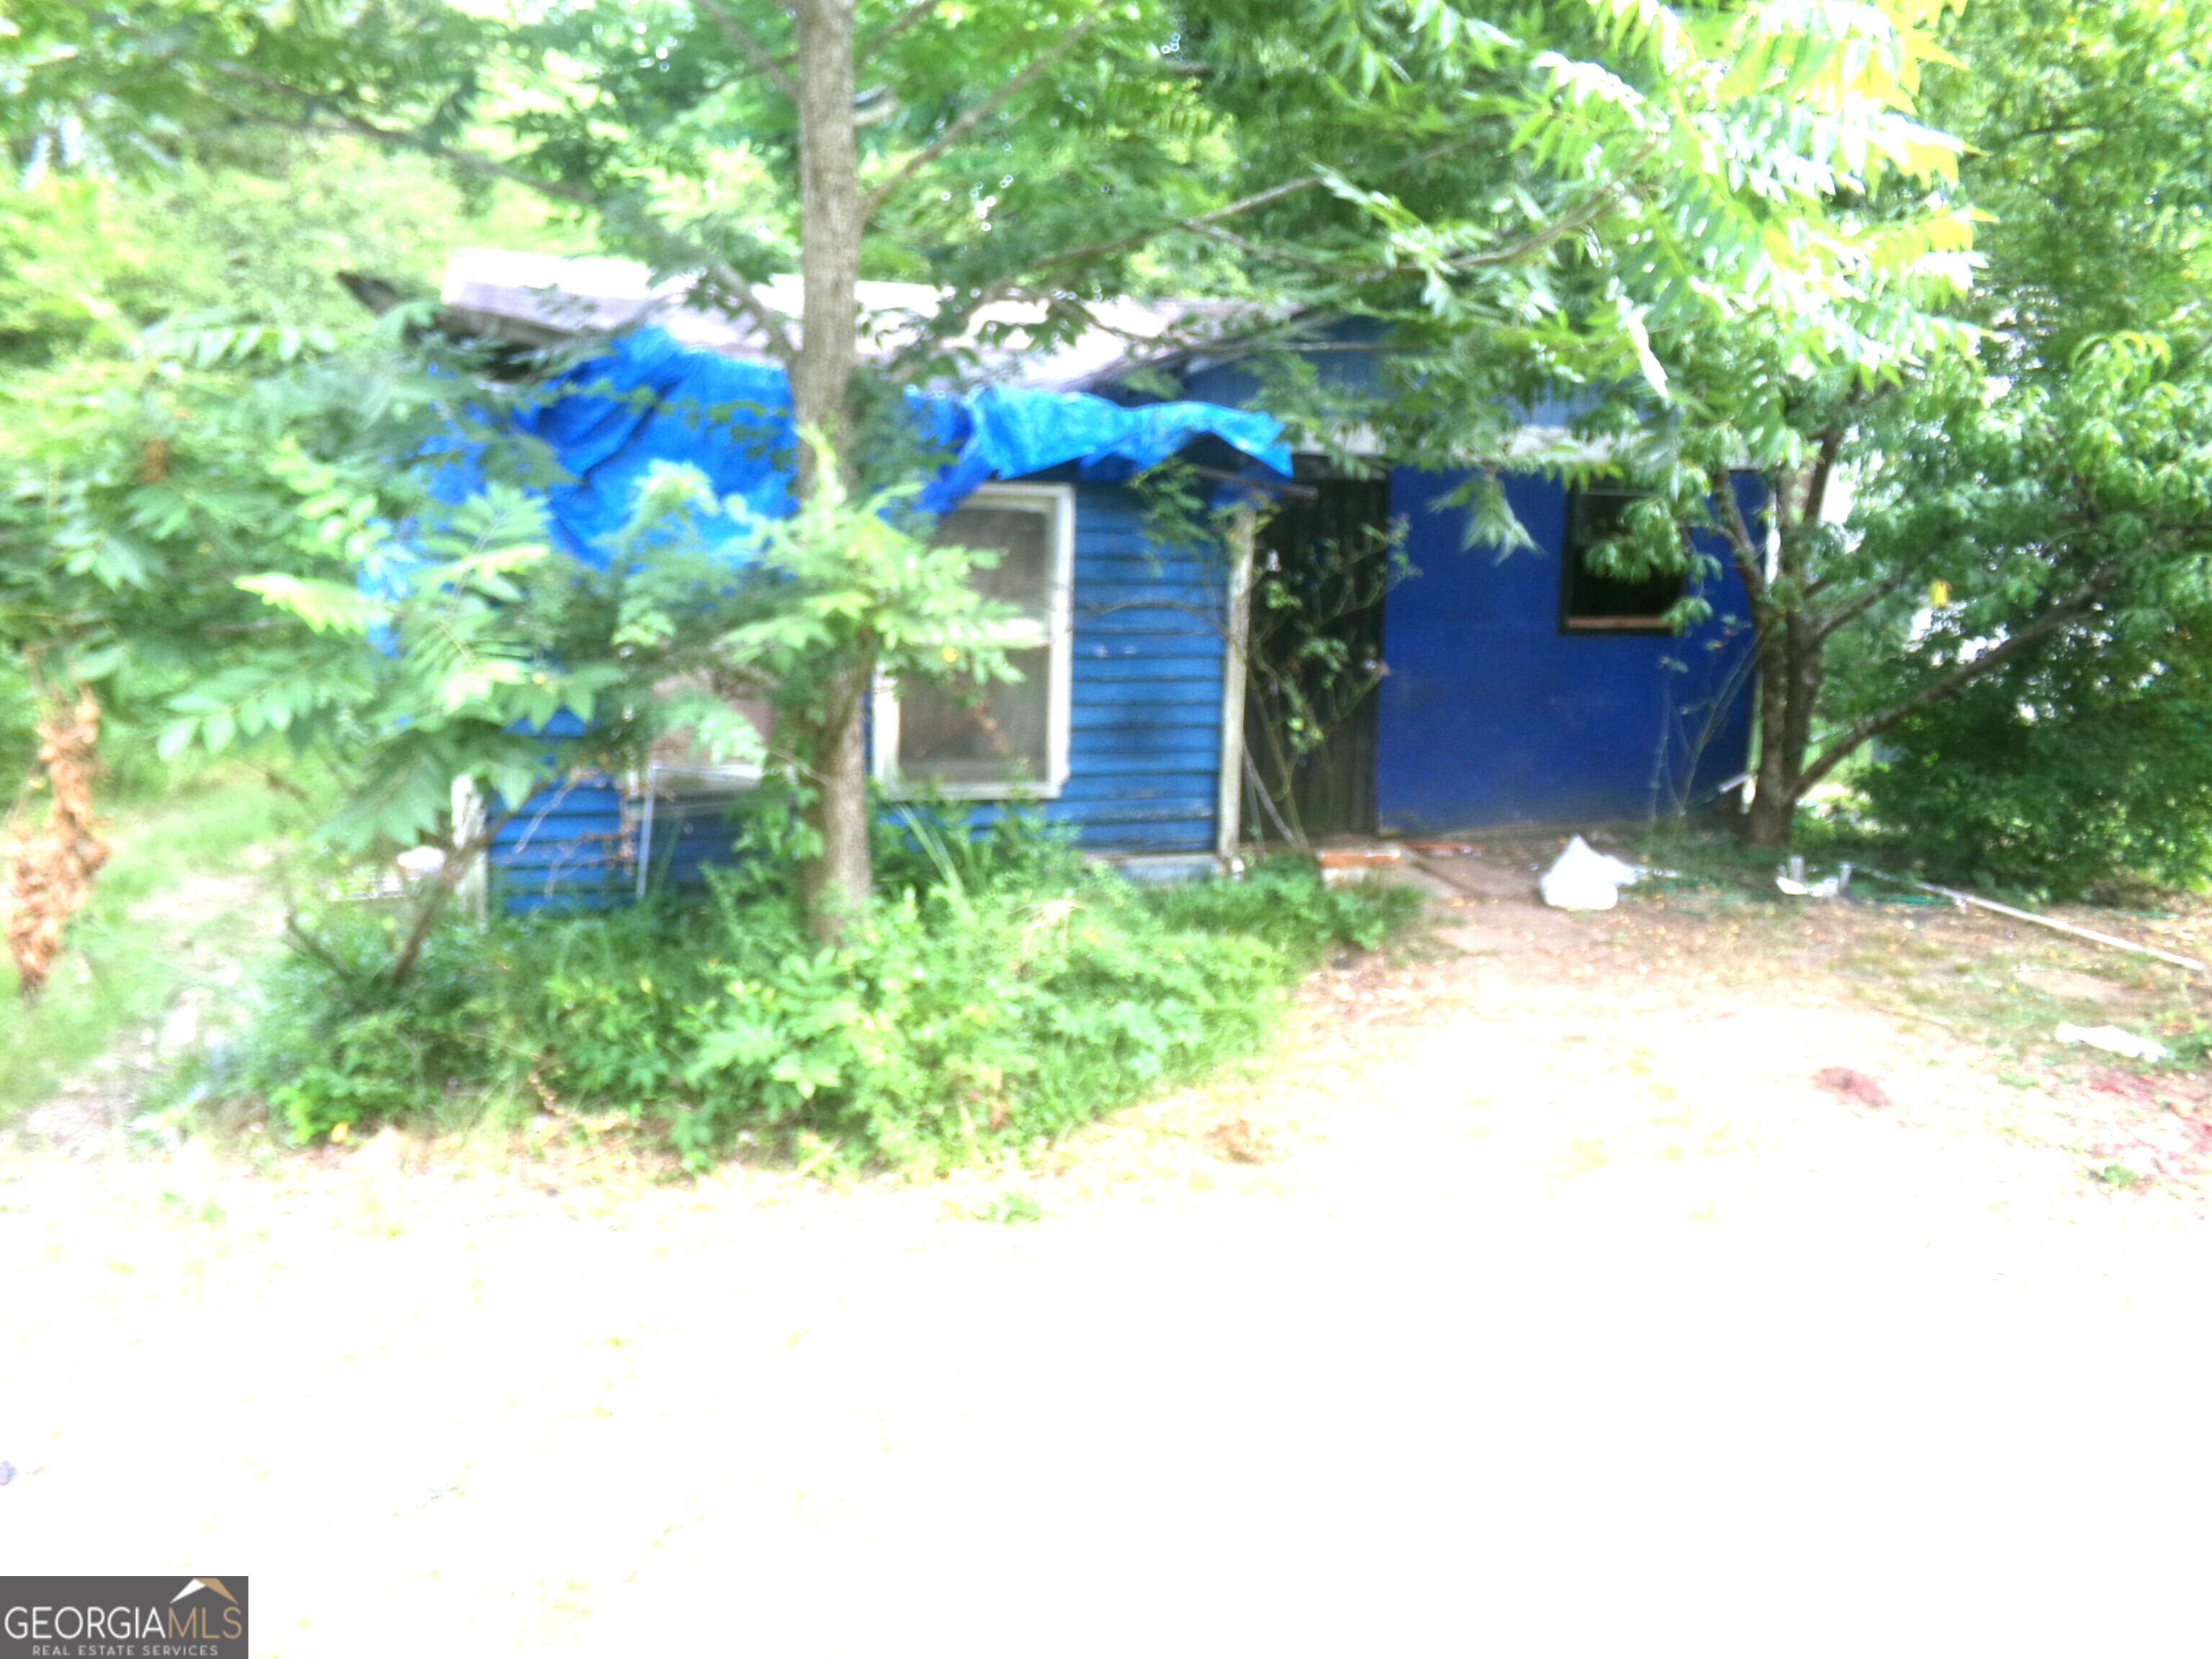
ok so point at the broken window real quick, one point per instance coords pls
(1590, 601)
(977, 743)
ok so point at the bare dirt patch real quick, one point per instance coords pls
(1535, 1293)
(1689, 1029)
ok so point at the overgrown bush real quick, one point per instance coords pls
(1000, 992)
(2057, 777)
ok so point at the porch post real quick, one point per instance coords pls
(1229, 797)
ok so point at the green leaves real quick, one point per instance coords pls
(326, 607)
(856, 588)
(1503, 178)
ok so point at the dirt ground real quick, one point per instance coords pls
(1704, 1275)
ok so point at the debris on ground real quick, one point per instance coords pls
(2113, 1041)
(1790, 880)
(1358, 858)
(2111, 942)
(1340, 865)
(1237, 1140)
(1583, 878)
(1852, 1085)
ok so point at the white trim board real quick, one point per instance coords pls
(1057, 636)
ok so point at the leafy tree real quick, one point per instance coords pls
(122, 516)
(411, 643)
(1988, 475)
(1440, 166)
(240, 230)
(2078, 768)
(244, 228)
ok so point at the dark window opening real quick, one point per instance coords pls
(1591, 602)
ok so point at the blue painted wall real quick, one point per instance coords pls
(567, 847)
(1491, 716)
(1144, 746)
(1144, 750)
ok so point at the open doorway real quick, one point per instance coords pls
(1323, 564)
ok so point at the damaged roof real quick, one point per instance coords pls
(542, 299)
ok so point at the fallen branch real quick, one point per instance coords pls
(2110, 941)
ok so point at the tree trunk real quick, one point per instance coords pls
(837, 882)
(1789, 687)
(834, 885)
(469, 844)
(1772, 804)
(1804, 657)
(1790, 646)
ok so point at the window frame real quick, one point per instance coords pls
(1570, 625)
(1056, 500)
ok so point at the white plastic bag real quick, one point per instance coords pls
(1583, 878)
(2113, 1041)
(1790, 878)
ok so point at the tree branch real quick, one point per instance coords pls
(1275, 194)
(1009, 287)
(2013, 645)
(1565, 225)
(1742, 546)
(308, 945)
(916, 13)
(775, 331)
(2048, 129)
(979, 113)
(314, 112)
(1866, 602)
(1816, 481)
(1289, 256)
(749, 44)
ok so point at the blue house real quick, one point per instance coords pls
(1521, 689)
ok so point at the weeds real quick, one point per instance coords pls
(1002, 994)
(1011, 1207)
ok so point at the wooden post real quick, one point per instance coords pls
(1229, 799)
(473, 885)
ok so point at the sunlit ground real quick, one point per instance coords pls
(1562, 1312)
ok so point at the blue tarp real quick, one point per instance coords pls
(648, 399)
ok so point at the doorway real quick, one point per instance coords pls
(1323, 562)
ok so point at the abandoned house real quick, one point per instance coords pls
(1514, 688)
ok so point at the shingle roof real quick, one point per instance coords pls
(538, 298)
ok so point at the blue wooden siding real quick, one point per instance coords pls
(568, 846)
(1490, 715)
(1144, 744)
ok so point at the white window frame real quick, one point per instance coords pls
(1057, 635)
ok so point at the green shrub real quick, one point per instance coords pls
(2058, 776)
(999, 992)
(1282, 902)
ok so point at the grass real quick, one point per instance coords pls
(171, 907)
